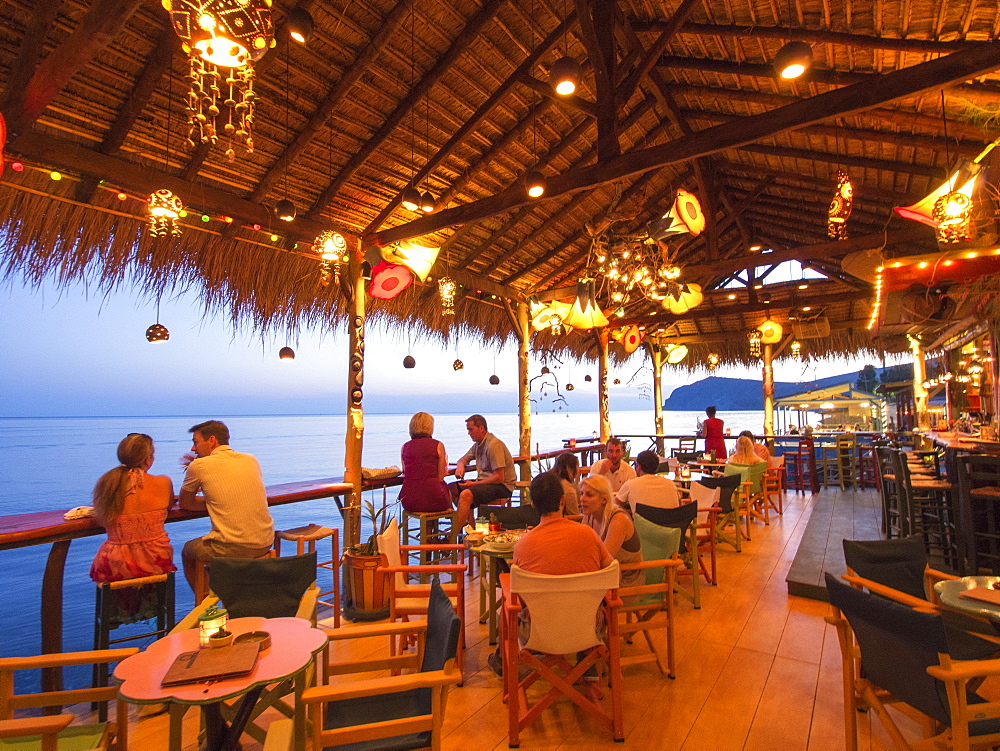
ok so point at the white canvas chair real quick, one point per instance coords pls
(592, 600)
(407, 599)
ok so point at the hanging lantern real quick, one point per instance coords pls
(545, 370)
(331, 247)
(770, 332)
(447, 289)
(164, 210)
(631, 338)
(754, 336)
(416, 258)
(585, 314)
(953, 214)
(551, 316)
(458, 365)
(494, 380)
(570, 387)
(840, 207)
(684, 216)
(223, 39)
(286, 353)
(587, 378)
(617, 382)
(712, 361)
(797, 350)
(157, 333)
(409, 362)
(685, 297)
(388, 280)
(676, 353)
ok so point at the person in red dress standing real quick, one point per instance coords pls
(712, 430)
(425, 464)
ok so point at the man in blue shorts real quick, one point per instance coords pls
(494, 469)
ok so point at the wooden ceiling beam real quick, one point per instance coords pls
(42, 17)
(468, 34)
(854, 323)
(597, 26)
(650, 57)
(100, 24)
(811, 35)
(862, 162)
(921, 78)
(148, 81)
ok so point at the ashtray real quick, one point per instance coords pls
(262, 637)
(220, 639)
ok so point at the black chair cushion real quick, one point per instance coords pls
(512, 517)
(263, 587)
(728, 486)
(897, 563)
(680, 517)
(443, 626)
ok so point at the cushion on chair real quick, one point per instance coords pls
(751, 473)
(443, 626)
(679, 518)
(727, 486)
(73, 738)
(898, 563)
(659, 542)
(263, 587)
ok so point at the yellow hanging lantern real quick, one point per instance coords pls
(164, 210)
(754, 336)
(712, 361)
(332, 247)
(953, 214)
(840, 207)
(446, 290)
(770, 332)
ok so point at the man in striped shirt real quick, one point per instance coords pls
(233, 493)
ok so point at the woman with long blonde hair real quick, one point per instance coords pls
(612, 523)
(132, 506)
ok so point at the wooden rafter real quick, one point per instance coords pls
(631, 82)
(921, 78)
(43, 15)
(597, 24)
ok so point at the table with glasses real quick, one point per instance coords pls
(294, 644)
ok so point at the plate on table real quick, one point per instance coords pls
(500, 542)
(951, 595)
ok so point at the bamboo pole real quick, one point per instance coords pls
(768, 387)
(656, 357)
(354, 440)
(602, 384)
(523, 405)
(919, 376)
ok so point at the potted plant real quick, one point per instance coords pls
(366, 591)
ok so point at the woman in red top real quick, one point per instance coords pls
(424, 467)
(712, 432)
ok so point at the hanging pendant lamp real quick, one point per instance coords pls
(286, 353)
(564, 75)
(427, 202)
(792, 60)
(285, 210)
(300, 25)
(534, 184)
(157, 333)
(411, 199)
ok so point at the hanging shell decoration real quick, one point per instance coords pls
(840, 207)
(164, 210)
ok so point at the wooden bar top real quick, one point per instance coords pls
(963, 442)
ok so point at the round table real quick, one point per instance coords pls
(949, 592)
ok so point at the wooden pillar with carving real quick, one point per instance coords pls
(919, 376)
(523, 403)
(602, 383)
(768, 386)
(657, 359)
(354, 441)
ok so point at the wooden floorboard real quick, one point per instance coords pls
(757, 668)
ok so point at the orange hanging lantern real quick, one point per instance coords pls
(840, 207)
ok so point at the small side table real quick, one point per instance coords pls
(294, 644)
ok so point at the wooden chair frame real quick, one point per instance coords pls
(643, 617)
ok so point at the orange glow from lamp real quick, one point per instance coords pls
(417, 258)
(712, 361)
(770, 332)
(953, 214)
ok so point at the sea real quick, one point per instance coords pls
(53, 462)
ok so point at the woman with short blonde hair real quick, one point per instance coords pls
(425, 465)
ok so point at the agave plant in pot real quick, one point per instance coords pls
(365, 588)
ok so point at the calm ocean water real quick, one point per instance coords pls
(52, 463)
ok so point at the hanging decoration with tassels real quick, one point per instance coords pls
(164, 210)
(840, 207)
(332, 249)
(223, 39)
(447, 289)
(754, 337)
(712, 361)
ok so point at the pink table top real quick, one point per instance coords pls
(294, 642)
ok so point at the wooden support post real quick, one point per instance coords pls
(602, 384)
(52, 611)
(656, 358)
(768, 392)
(919, 376)
(354, 441)
(523, 405)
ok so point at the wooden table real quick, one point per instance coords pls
(489, 580)
(294, 643)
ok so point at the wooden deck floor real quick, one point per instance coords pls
(757, 669)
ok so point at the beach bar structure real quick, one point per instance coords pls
(331, 165)
(840, 405)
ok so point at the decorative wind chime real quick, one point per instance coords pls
(223, 39)
(754, 337)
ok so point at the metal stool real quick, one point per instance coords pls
(111, 598)
(305, 539)
(431, 528)
(523, 490)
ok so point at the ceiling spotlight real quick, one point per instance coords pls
(286, 353)
(410, 199)
(792, 60)
(284, 210)
(427, 202)
(564, 76)
(301, 25)
(534, 184)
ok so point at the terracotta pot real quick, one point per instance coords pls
(366, 591)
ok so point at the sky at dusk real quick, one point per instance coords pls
(69, 353)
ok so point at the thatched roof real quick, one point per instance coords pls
(454, 99)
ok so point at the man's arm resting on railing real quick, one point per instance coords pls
(188, 501)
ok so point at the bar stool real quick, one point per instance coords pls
(847, 465)
(929, 511)
(827, 466)
(802, 465)
(894, 516)
(305, 539)
(430, 528)
(867, 471)
(125, 602)
(522, 488)
(979, 489)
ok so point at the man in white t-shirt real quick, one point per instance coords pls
(647, 487)
(612, 466)
(233, 495)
